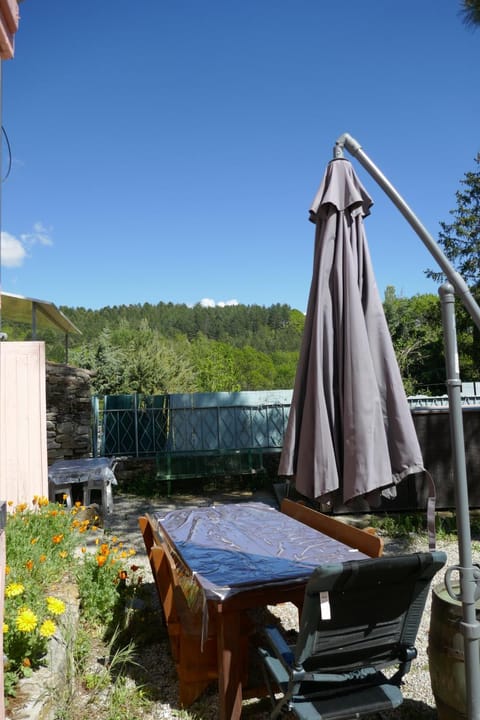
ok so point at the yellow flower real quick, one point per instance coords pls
(83, 549)
(5, 628)
(26, 621)
(47, 628)
(43, 501)
(14, 589)
(7, 569)
(21, 507)
(55, 606)
(63, 554)
(34, 541)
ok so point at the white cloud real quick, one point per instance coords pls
(40, 234)
(14, 250)
(208, 302)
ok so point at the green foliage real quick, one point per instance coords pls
(40, 546)
(460, 239)
(42, 560)
(416, 330)
(171, 348)
(470, 11)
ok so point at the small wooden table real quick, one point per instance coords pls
(244, 556)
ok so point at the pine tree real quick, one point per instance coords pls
(460, 239)
(470, 11)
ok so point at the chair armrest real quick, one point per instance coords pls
(279, 645)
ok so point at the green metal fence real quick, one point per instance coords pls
(144, 425)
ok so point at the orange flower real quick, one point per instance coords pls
(42, 558)
(35, 499)
(29, 564)
(26, 662)
(104, 549)
(56, 539)
(78, 504)
(34, 541)
(101, 560)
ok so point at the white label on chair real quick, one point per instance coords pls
(325, 613)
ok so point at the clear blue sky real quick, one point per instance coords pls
(169, 150)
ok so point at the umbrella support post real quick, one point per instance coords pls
(469, 575)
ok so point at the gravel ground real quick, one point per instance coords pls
(419, 702)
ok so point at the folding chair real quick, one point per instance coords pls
(358, 619)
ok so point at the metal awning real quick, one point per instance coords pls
(37, 313)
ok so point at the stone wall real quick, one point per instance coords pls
(69, 412)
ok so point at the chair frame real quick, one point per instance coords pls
(358, 619)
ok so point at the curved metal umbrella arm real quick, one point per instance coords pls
(461, 288)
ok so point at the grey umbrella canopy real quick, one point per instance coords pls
(350, 431)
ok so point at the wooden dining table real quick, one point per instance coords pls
(240, 557)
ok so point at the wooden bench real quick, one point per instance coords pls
(364, 540)
(204, 464)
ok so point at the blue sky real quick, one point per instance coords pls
(169, 150)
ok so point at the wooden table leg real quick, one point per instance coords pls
(229, 665)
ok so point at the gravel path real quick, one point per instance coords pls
(419, 702)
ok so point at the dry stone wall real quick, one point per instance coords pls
(69, 412)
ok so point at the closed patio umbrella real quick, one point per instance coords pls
(350, 431)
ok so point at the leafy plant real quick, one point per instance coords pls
(45, 555)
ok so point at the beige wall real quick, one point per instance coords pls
(23, 445)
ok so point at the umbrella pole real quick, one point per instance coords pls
(461, 288)
(468, 574)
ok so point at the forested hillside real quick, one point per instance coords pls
(168, 348)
